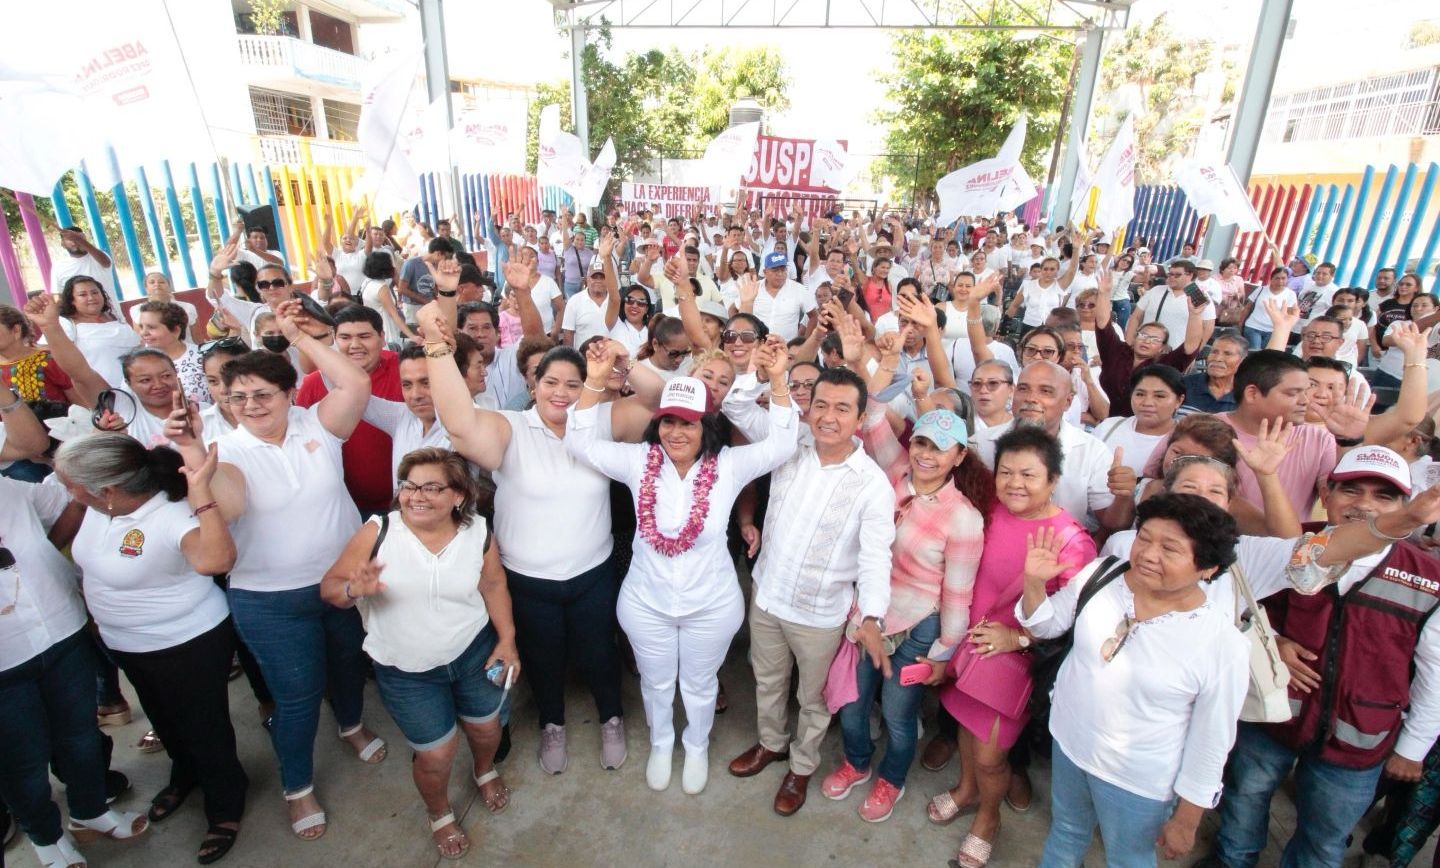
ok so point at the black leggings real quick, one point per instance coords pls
(185, 692)
(568, 621)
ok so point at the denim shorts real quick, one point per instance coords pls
(425, 705)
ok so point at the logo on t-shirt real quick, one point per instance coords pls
(133, 545)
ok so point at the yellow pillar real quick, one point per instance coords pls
(292, 226)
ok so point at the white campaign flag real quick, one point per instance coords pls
(1212, 188)
(388, 121)
(120, 82)
(591, 185)
(562, 158)
(728, 156)
(830, 165)
(1115, 179)
(490, 139)
(1080, 190)
(990, 186)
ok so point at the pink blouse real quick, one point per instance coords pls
(938, 541)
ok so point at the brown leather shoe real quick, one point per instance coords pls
(791, 796)
(938, 753)
(754, 761)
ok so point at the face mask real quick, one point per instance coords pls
(275, 343)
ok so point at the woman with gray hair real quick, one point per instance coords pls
(151, 538)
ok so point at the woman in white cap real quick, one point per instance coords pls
(680, 604)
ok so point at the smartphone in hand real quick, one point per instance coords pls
(1197, 295)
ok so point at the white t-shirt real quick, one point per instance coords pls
(1172, 310)
(297, 484)
(350, 266)
(48, 607)
(407, 432)
(1350, 342)
(543, 292)
(585, 317)
(64, 267)
(245, 254)
(1314, 301)
(432, 608)
(140, 588)
(1040, 300)
(102, 344)
(783, 311)
(1119, 432)
(370, 294)
(191, 315)
(1259, 318)
(627, 334)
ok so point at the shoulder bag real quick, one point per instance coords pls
(1046, 657)
(1267, 699)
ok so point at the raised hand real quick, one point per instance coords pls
(605, 247)
(321, 265)
(1042, 556)
(1121, 478)
(1410, 339)
(183, 426)
(435, 325)
(1271, 446)
(1282, 318)
(1424, 508)
(748, 288)
(920, 382)
(288, 316)
(518, 277)
(225, 256)
(198, 478)
(599, 362)
(1348, 417)
(777, 361)
(852, 338)
(920, 311)
(445, 273)
(43, 312)
(365, 581)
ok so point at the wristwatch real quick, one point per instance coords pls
(879, 623)
(1024, 639)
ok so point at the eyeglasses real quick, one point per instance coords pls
(1110, 647)
(231, 343)
(1176, 274)
(746, 337)
(1086, 306)
(277, 283)
(240, 399)
(430, 488)
(1319, 337)
(806, 385)
(988, 385)
(1149, 337)
(676, 354)
(1034, 352)
(637, 302)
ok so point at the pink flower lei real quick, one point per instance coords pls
(699, 508)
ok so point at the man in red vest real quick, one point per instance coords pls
(1358, 707)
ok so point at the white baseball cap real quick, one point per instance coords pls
(685, 398)
(1374, 462)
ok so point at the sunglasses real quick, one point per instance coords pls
(637, 302)
(231, 343)
(677, 354)
(277, 283)
(729, 337)
(1111, 647)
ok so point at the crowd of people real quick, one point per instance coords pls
(1171, 530)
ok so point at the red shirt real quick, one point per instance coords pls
(39, 378)
(366, 455)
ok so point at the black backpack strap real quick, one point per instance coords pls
(384, 528)
(1108, 571)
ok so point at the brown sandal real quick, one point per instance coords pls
(499, 799)
(456, 837)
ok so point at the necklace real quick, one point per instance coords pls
(699, 507)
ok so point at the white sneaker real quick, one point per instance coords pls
(657, 769)
(696, 772)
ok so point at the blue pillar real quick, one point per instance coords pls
(62, 208)
(1431, 248)
(1327, 219)
(1422, 206)
(126, 219)
(222, 219)
(202, 223)
(1368, 243)
(152, 219)
(1302, 243)
(1343, 265)
(1393, 227)
(235, 186)
(177, 223)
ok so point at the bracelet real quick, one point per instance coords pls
(12, 405)
(1370, 523)
(206, 508)
(348, 595)
(1349, 441)
(1414, 364)
(443, 294)
(214, 276)
(592, 388)
(775, 394)
(438, 351)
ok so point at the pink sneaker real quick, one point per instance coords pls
(878, 806)
(840, 782)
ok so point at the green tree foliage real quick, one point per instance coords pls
(658, 103)
(1424, 33)
(954, 95)
(1156, 72)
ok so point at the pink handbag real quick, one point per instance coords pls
(1001, 682)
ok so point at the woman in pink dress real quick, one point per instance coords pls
(1027, 468)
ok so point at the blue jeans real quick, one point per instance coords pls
(47, 710)
(899, 705)
(307, 650)
(1257, 338)
(1120, 311)
(425, 705)
(571, 288)
(1330, 800)
(1129, 824)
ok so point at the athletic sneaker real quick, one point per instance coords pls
(612, 743)
(553, 757)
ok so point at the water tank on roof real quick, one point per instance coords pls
(744, 111)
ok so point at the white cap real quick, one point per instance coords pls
(686, 398)
(1375, 462)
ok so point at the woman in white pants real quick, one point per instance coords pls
(680, 604)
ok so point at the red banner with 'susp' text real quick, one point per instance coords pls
(779, 174)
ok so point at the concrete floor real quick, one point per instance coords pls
(586, 816)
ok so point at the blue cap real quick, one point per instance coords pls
(776, 259)
(942, 428)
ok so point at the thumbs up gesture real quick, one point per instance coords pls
(1121, 478)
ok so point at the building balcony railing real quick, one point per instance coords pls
(276, 150)
(278, 58)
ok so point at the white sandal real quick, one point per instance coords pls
(62, 854)
(504, 795)
(118, 825)
(376, 747)
(309, 821)
(441, 822)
